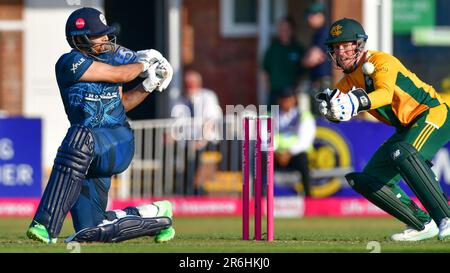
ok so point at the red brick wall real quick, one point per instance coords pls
(228, 65)
(11, 53)
(11, 9)
(11, 80)
(353, 9)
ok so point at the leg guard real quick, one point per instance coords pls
(122, 229)
(420, 178)
(384, 198)
(69, 170)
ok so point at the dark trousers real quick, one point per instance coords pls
(299, 162)
(114, 150)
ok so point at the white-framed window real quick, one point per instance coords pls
(239, 18)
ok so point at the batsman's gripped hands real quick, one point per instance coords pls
(165, 71)
(148, 57)
(157, 70)
(158, 78)
(153, 80)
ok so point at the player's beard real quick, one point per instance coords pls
(103, 49)
(342, 64)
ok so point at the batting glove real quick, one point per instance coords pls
(153, 80)
(147, 58)
(165, 71)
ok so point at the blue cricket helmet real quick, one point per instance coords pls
(84, 23)
(87, 21)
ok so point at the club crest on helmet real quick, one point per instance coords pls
(336, 30)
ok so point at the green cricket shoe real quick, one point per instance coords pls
(39, 233)
(164, 209)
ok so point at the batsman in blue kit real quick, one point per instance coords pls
(99, 142)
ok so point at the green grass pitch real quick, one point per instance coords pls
(223, 235)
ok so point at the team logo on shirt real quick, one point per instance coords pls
(99, 97)
(77, 64)
(336, 30)
(98, 104)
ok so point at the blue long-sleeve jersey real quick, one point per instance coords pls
(92, 104)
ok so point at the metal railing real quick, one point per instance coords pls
(163, 165)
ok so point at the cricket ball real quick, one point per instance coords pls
(368, 68)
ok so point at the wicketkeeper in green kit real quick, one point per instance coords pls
(377, 82)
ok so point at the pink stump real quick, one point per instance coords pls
(258, 180)
(270, 168)
(246, 181)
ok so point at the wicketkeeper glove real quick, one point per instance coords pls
(345, 106)
(323, 99)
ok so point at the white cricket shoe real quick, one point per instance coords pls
(411, 234)
(444, 229)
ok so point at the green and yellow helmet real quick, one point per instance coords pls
(345, 30)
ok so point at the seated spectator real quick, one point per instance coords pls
(296, 133)
(202, 105)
